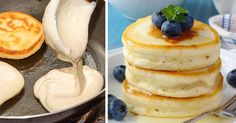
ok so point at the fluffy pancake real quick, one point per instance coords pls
(174, 84)
(145, 46)
(21, 35)
(11, 82)
(143, 103)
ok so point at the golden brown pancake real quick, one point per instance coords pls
(179, 84)
(144, 103)
(21, 35)
(145, 46)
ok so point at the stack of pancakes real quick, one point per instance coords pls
(171, 77)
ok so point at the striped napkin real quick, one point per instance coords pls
(225, 25)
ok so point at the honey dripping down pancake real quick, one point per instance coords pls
(21, 35)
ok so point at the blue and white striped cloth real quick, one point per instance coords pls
(229, 25)
(225, 25)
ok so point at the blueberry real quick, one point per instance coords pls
(110, 98)
(119, 73)
(188, 24)
(171, 29)
(117, 109)
(231, 78)
(158, 18)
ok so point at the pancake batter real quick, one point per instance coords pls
(65, 25)
(11, 82)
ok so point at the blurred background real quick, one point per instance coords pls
(121, 13)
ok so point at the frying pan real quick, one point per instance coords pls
(25, 108)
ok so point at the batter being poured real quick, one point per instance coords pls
(65, 25)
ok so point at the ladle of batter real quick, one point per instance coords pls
(65, 25)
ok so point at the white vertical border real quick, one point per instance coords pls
(106, 61)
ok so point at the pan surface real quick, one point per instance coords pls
(25, 108)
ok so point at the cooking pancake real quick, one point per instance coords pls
(143, 103)
(145, 46)
(174, 84)
(11, 82)
(21, 35)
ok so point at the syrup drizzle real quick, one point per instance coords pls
(155, 32)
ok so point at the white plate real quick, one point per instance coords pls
(114, 87)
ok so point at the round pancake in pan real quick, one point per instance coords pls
(11, 82)
(21, 35)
